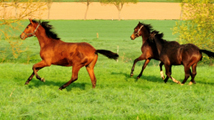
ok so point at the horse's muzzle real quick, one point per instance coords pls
(132, 37)
(22, 36)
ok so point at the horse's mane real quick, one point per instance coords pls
(48, 29)
(158, 35)
(147, 26)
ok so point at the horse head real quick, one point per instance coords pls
(30, 30)
(141, 30)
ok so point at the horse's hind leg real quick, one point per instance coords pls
(193, 74)
(74, 77)
(90, 69)
(187, 73)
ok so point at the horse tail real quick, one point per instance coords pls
(209, 53)
(108, 54)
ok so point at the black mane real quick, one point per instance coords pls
(155, 34)
(48, 29)
(148, 27)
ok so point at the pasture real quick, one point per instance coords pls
(117, 95)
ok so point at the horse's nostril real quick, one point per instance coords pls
(22, 37)
(131, 37)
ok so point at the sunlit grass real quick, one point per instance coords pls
(117, 95)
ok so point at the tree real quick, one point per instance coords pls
(119, 4)
(49, 3)
(88, 2)
(196, 25)
(11, 22)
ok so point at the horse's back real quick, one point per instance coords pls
(170, 52)
(190, 52)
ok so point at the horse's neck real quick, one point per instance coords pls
(159, 45)
(43, 39)
(144, 39)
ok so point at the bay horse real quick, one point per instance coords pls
(56, 52)
(148, 48)
(172, 53)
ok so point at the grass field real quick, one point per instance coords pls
(117, 96)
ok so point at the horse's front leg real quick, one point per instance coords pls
(168, 73)
(36, 68)
(29, 79)
(161, 70)
(144, 66)
(135, 61)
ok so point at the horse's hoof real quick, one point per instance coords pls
(26, 83)
(162, 75)
(131, 74)
(190, 83)
(43, 79)
(61, 88)
(179, 82)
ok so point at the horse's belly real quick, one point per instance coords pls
(63, 62)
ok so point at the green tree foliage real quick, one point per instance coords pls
(119, 4)
(197, 23)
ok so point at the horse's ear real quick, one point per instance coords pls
(161, 35)
(31, 21)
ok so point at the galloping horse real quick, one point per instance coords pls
(56, 52)
(172, 53)
(148, 49)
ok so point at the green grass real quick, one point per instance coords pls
(117, 96)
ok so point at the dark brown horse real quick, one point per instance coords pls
(56, 52)
(148, 48)
(172, 53)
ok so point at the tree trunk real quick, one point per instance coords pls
(119, 8)
(86, 10)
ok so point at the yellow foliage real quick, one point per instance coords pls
(196, 24)
(11, 15)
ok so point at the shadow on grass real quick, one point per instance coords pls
(143, 77)
(205, 83)
(36, 83)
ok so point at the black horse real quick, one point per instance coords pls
(172, 53)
